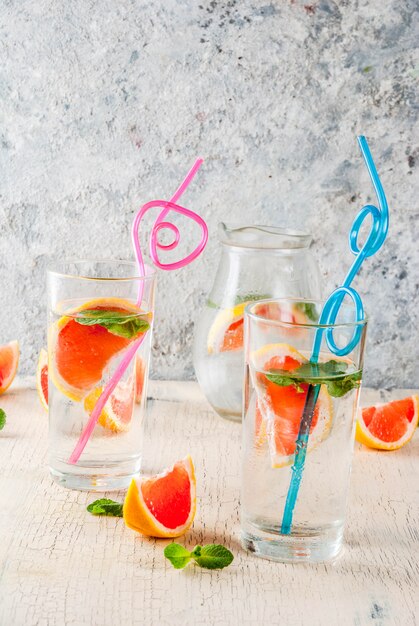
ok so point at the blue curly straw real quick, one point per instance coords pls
(374, 241)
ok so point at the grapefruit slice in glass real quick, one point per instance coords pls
(388, 426)
(9, 360)
(42, 378)
(163, 505)
(227, 330)
(140, 375)
(279, 409)
(118, 410)
(78, 353)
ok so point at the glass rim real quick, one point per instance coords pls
(267, 320)
(151, 271)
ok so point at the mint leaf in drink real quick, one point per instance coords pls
(212, 556)
(2, 419)
(248, 297)
(284, 381)
(321, 370)
(331, 373)
(309, 310)
(251, 297)
(177, 555)
(339, 387)
(107, 507)
(115, 322)
(333, 367)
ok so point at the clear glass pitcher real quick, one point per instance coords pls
(256, 262)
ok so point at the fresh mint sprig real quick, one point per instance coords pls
(2, 419)
(117, 323)
(106, 507)
(211, 556)
(332, 373)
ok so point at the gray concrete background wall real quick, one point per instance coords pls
(105, 105)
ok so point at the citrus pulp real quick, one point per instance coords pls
(9, 359)
(388, 426)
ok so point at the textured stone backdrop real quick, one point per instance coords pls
(105, 105)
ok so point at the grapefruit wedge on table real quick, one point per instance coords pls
(79, 353)
(163, 505)
(279, 408)
(388, 426)
(9, 360)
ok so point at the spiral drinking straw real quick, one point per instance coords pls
(158, 225)
(374, 241)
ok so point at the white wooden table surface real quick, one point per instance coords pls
(60, 565)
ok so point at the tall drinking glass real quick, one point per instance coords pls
(93, 319)
(278, 378)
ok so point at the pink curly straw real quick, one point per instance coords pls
(154, 244)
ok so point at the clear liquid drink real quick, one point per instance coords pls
(94, 320)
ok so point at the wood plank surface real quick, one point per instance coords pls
(59, 565)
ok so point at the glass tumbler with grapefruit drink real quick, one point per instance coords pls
(278, 375)
(94, 319)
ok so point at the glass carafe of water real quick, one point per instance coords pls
(256, 262)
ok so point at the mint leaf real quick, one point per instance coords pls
(339, 387)
(248, 297)
(110, 508)
(331, 373)
(117, 323)
(309, 310)
(2, 419)
(251, 297)
(177, 555)
(212, 304)
(285, 381)
(320, 370)
(212, 556)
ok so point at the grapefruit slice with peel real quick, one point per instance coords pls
(279, 409)
(388, 426)
(140, 376)
(163, 505)
(118, 410)
(42, 378)
(79, 353)
(227, 330)
(9, 360)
